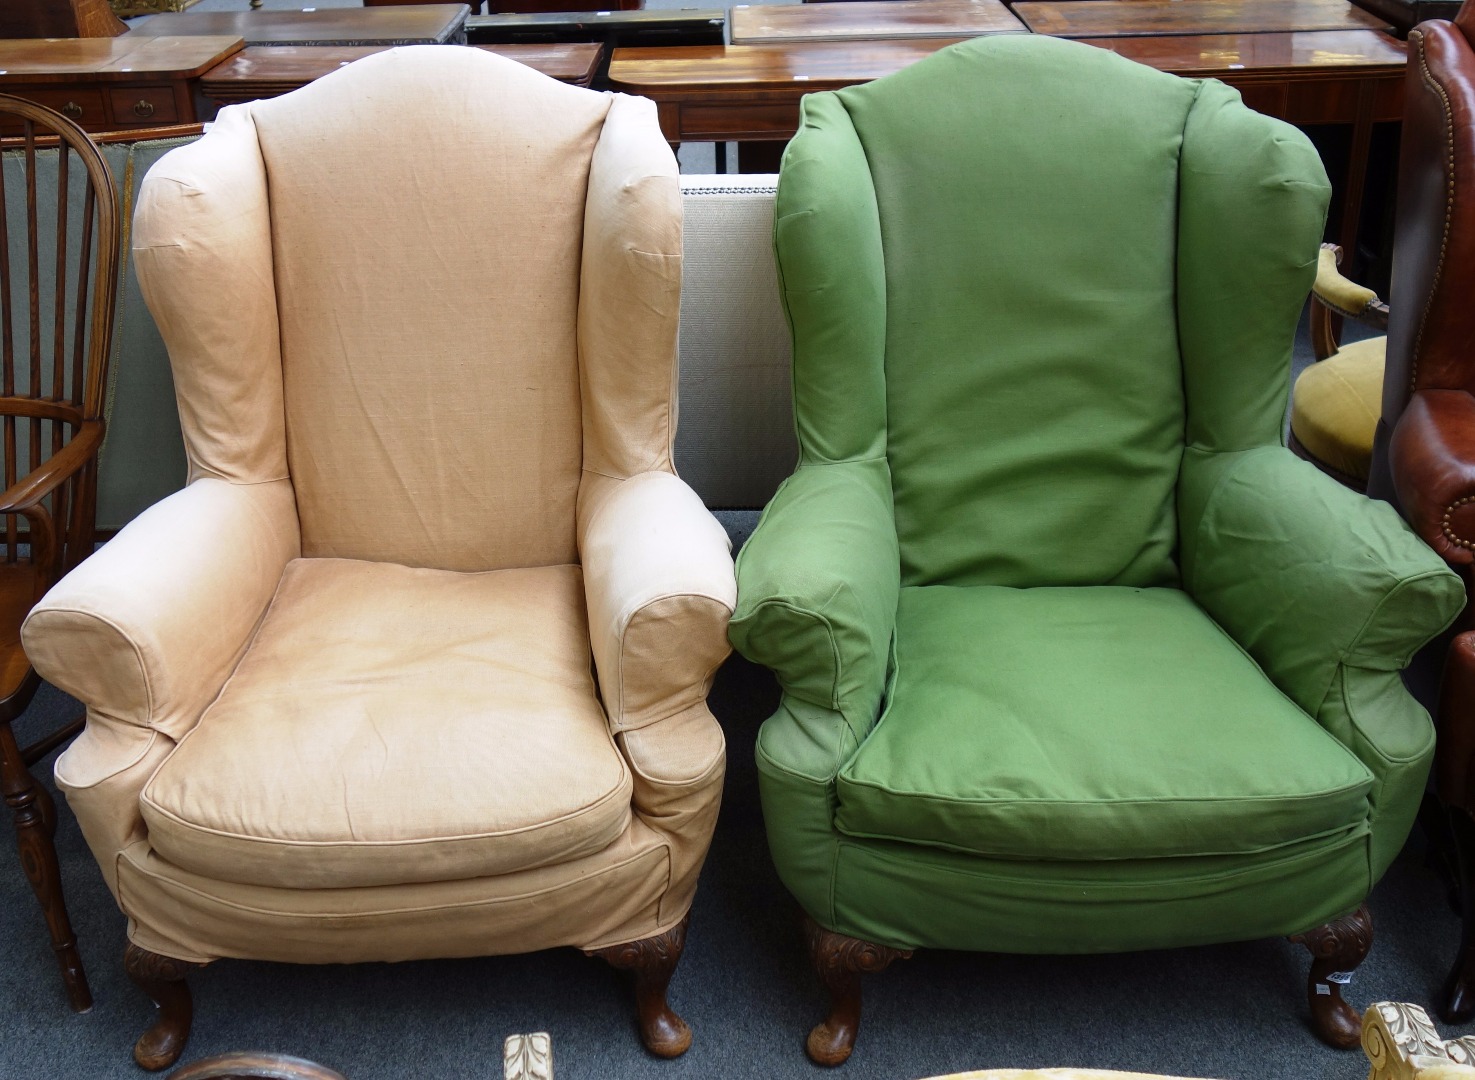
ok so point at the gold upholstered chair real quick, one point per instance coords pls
(416, 665)
(1337, 400)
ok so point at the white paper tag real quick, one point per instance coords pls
(1323, 989)
(1341, 978)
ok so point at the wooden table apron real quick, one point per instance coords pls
(712, 93)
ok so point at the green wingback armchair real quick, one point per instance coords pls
(1076, 656)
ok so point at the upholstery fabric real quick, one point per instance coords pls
(1172, 716)
(203, 228)
(607, 898)
(452, 439)
(1204, 755)
(1084, 423)
(294, 755)
(458, 713)
(660, 585)
(1334, 409)
(631, 264)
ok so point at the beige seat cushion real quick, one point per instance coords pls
(390, 725)
(1334, 410)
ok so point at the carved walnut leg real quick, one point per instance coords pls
(654, 960)
(35, 825)
(1336, 950)
(162, 979)
(839, 962)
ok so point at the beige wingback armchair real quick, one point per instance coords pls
(416, 665)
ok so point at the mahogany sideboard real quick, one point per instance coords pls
(112, 83)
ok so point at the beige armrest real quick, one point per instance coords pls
(147, 630)
(660, 588)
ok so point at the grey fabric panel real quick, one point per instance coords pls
(142, 459)
(735, 441)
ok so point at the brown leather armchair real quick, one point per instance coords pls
(1424, 452)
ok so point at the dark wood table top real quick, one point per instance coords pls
(850, 20)
(126, 58)
(1226, 55)
(423, 24)
(269, 70)
(1140, 18)
(809, 65)
(823, 65)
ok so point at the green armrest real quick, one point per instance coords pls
(1331, 593)
(817, 588)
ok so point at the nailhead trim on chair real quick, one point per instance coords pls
(1448, 532)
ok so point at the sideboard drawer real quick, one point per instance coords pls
(85, 107)
(143, 105)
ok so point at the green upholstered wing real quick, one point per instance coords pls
(1084, 277)
(1332, 594)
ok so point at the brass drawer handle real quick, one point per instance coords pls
(143, 109)
(72, 111)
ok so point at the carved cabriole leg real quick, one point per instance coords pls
(1336, 950)
(35, 825)
(839, 961)
(162, 979)
(654, 960)
(1400, 1043)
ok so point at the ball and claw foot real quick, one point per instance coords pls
(1336, 950)
(654, 960)
(162, 979)
(839, 961)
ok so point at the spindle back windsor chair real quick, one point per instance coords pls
(59, 259)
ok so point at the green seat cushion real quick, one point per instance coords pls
(1089, 723)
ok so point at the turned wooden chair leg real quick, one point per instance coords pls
(162, 979)
(839, 961)
(654, 960)
(35, 825)
(1458, 1002)
(1336, 950)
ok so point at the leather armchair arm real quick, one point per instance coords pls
(818, 586)
(147, 630)
(1306, 575)
(1432, 458)
(659, 584)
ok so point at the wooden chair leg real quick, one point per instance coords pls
(654, 960)
(1457, 1004)
(1337, 948)
(839, 961)
(162, 979)
(35, 825)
